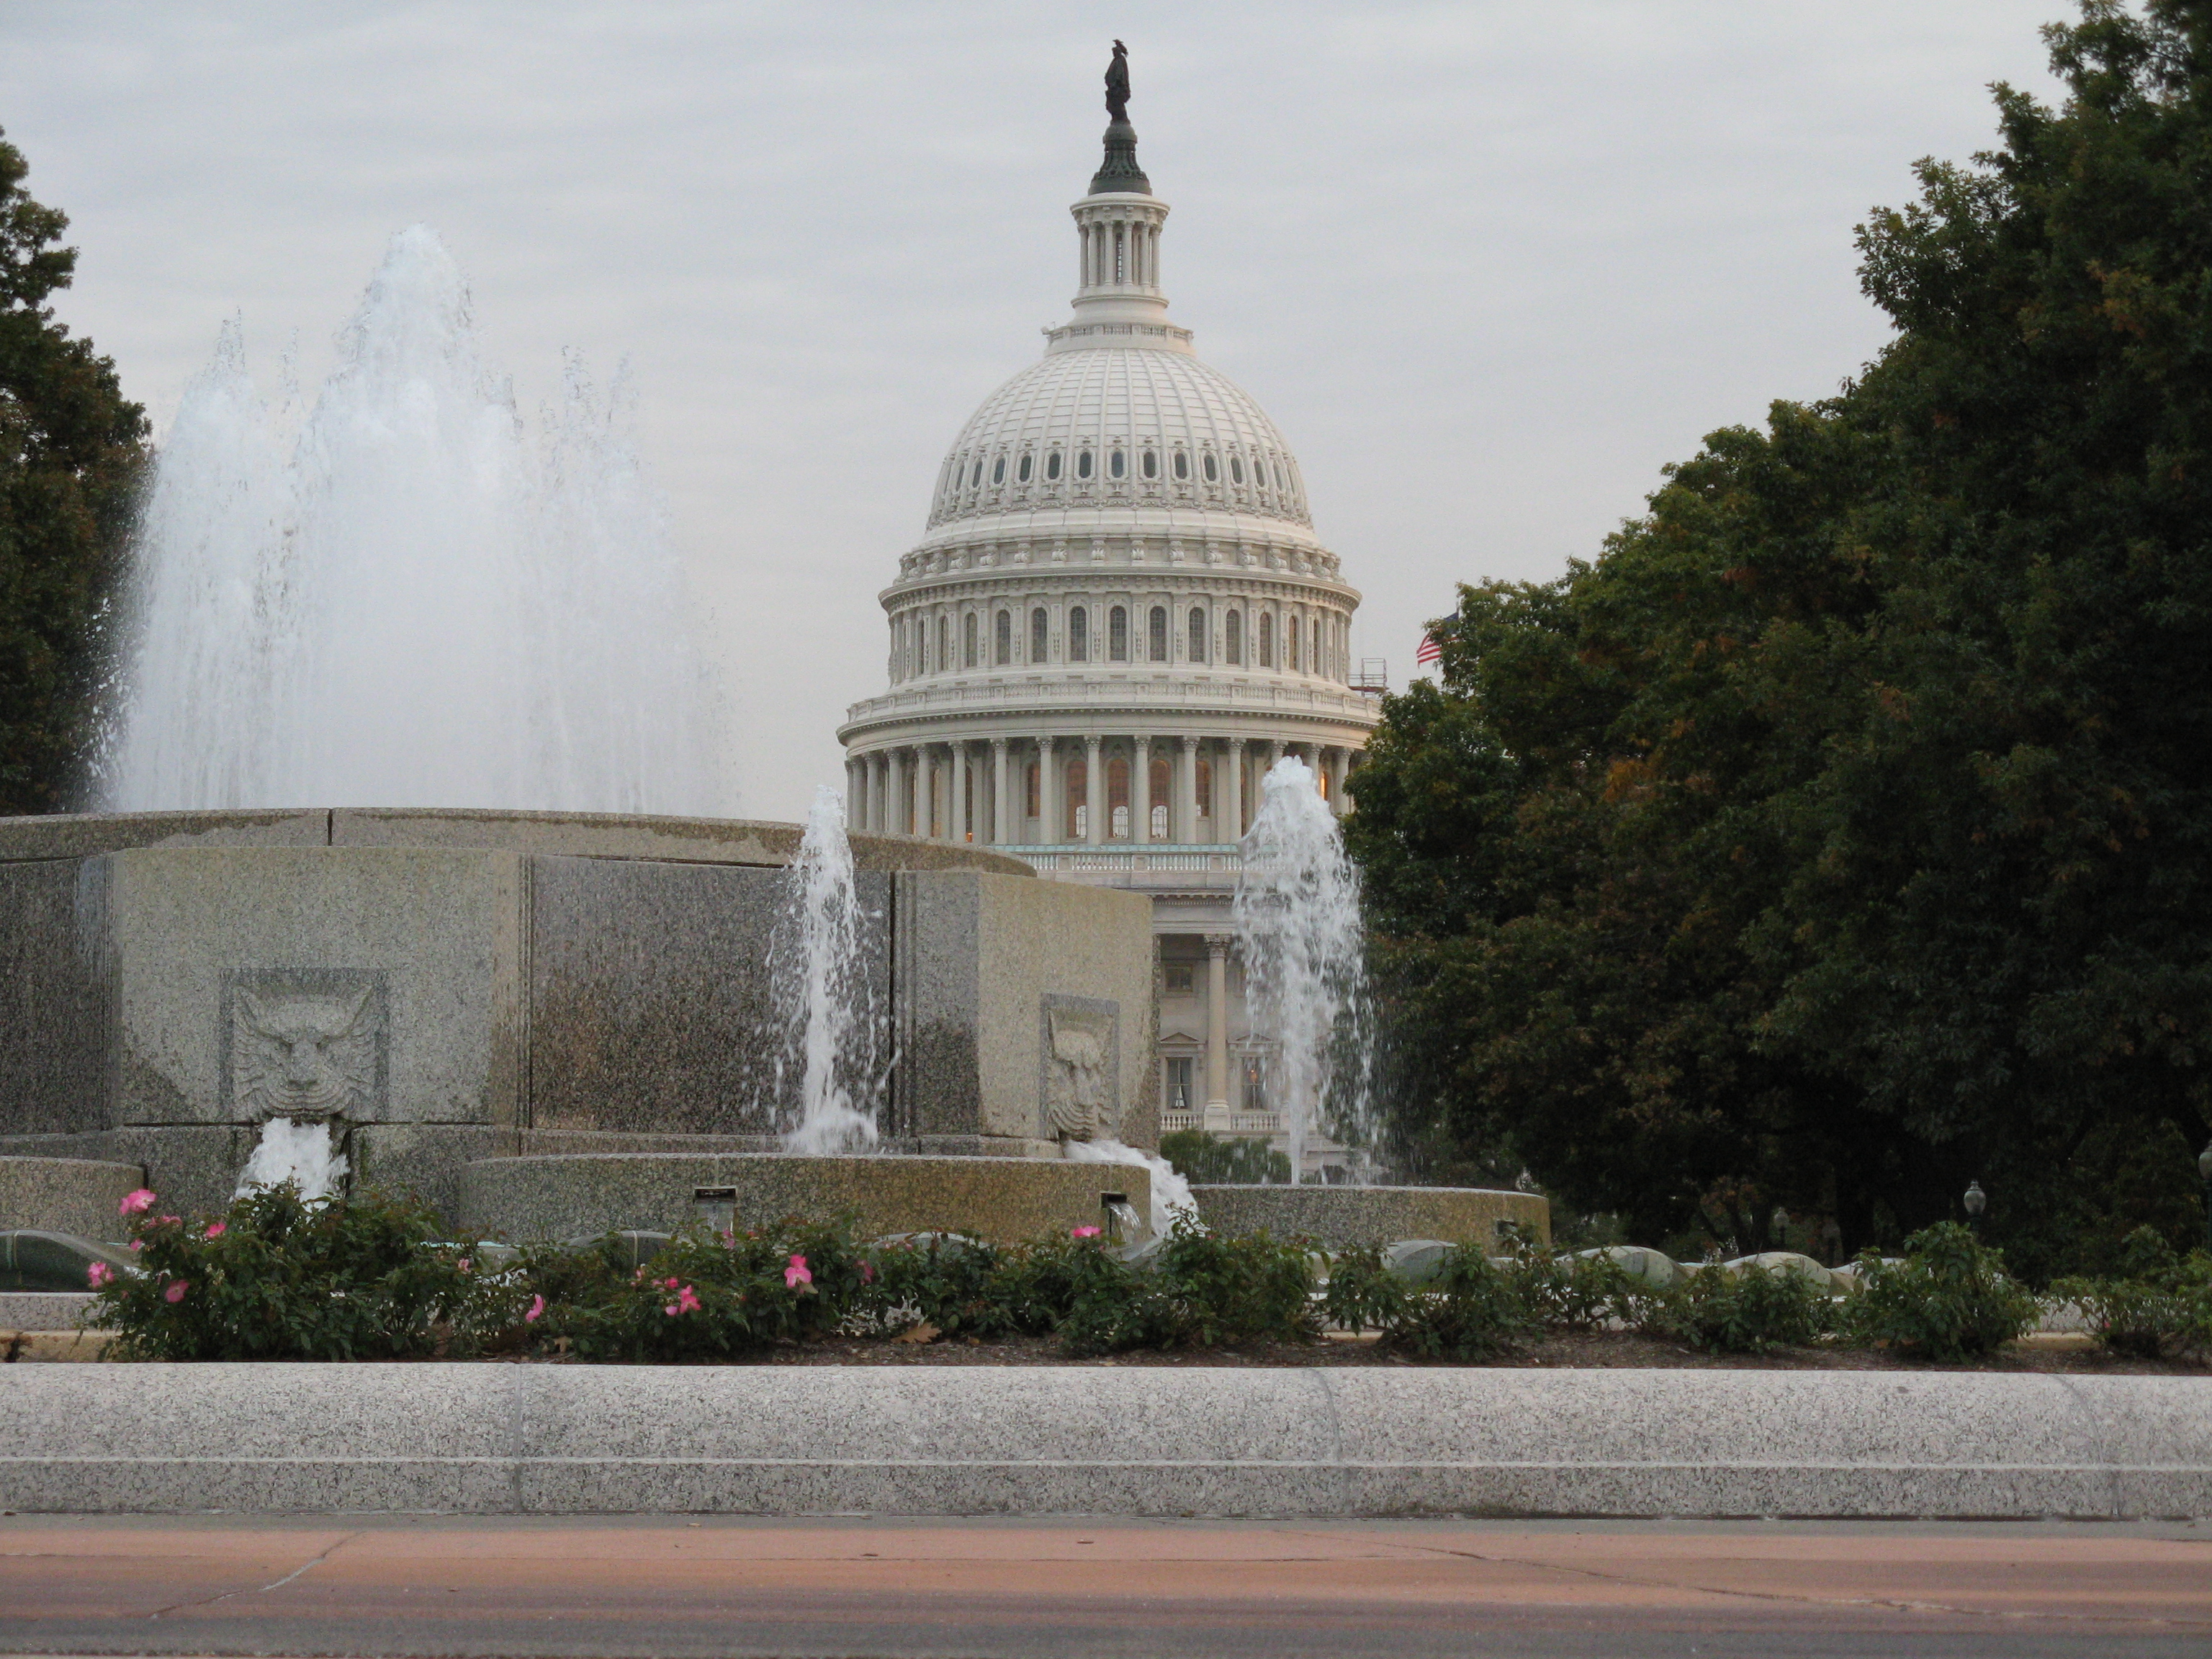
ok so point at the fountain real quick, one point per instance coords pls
(1297, 915)
(503, 955)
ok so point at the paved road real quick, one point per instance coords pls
(1062, 1589)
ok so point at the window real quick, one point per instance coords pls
(943, 643)
(1117, 464)
(1291, 643)
(998, 470)
(1181, 464)
(1205, 787)
(1083, 465)
(1256, 1083)
(1163, 793)
(1178, 1093)
(1117, 635)
(968, 640)
(1279, 475)
(1037, 627)
(1078, 635)
(1156, 625)
(1151, 464)
(1022, 472)
(1159, 820)
(978, 476)
(1052, 466)
(1315, 660)
(1236, 469)
(1232, 635)
(921, 646)
(1117, 799)
(1196, 637)
(1267, 640)
(1213, 473)
(1003, 638)
(1078, 818)
(1032, 807)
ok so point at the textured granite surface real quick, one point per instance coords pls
(66, 1195)
(1372, 1215)
(41, 1310)
(1021, 1440)
(56, 1005)
(193, 1166)
(1008, 1198)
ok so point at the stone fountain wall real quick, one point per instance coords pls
(453, 986)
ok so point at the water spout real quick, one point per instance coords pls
(1297, 915)
(404, 603)
(824, 996)
(304, 1153)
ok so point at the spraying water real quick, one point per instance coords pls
(1297, 912)
(823, 995)
(404, 603)
(1171, 1195)
(306, 1153)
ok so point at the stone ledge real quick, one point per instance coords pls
(505, 1439)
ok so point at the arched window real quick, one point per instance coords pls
(943, 643)
(1117, 635)
(1205, 787)
(968, 640)
(1032, 804)
(921, 646)
(1151, 464)
(1021, 471)
(1052, 466)
(1117, 464)
(1003, 638)
(1077, 815)
(1039, 624)
(1236, 469)
(1213, 473)
(1232, 638)
(1078, 635)
(977, 477)
(1163, 793)
(1181, 464)
(1157, 627)
(1267, 640)
(1291, 643)
(1159, 819)
(998, 470)
(1196, 638)
(1315, 661)
(1083, 465)
(1117, 799)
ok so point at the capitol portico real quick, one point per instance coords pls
(1118, 619)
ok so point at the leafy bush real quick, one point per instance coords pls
(1199, 1289)
(1948, 1299)
(1751, 1310)
(1210, 1159)
(1565, 1292)
(1470, 1310)
(1364, 1292)
(277, 1278)
(949, 1280)
(2160, 1304)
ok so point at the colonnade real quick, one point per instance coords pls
(1097, 789)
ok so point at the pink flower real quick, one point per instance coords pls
(667, 1284)
(99, 1273)
(796, 1274)
(537, 1309)
(1083, 1232)
(670, 1311)
(176, 1290)
(217, 1229)
(463, 1264)
(688, 1300)
(867, 1272)
(137, 1244)
(136, 1203)
(167, 1220)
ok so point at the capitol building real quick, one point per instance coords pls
(1118, 619)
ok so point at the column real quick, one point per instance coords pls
(1140, 792)
(1094, 791)
(1234, 827)
(1185, 826)
(1002, 830)
(895, 792)
(925, 790)
(1217, 1032)
(961, 822)
(1048, 806)
(871, 795)
(1335, 760)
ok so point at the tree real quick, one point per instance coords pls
(72, 449)
(1841, 833)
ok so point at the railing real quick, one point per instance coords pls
(1240, 1123)
(1156, 856)
(1070, 696)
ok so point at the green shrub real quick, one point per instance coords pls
(1364, 1292)
(1198, 1290)
(949, 1280)
(1470, 1310)
(1565, 1292)
(1948, 1299)
(277, 1278)
(2158, 1306)
(1751, 1310)
(1213, 1160)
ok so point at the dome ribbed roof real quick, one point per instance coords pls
(1209, 443)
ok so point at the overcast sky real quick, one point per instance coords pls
(1490, 266)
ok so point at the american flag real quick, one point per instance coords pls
(1430, 651)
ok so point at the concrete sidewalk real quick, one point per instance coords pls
(1010, 1590)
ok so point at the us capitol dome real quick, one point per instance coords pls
(1118, 617)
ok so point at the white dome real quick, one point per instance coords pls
(1184, 435)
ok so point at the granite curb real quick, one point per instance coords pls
(493, 1440)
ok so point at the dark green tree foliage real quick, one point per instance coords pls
(70, 450)
(1842, 832)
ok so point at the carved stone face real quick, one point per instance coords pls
(1077, 1107)
(301, 1056)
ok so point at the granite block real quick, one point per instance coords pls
(194, 1166)
(42, 1311)
(1345, 1216)
(1004, 1198)
(84, 835)
(56, 1002)
(66, 1195)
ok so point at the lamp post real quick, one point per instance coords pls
(1777, 1227)
(1976, 1201)
(2204, 1173)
